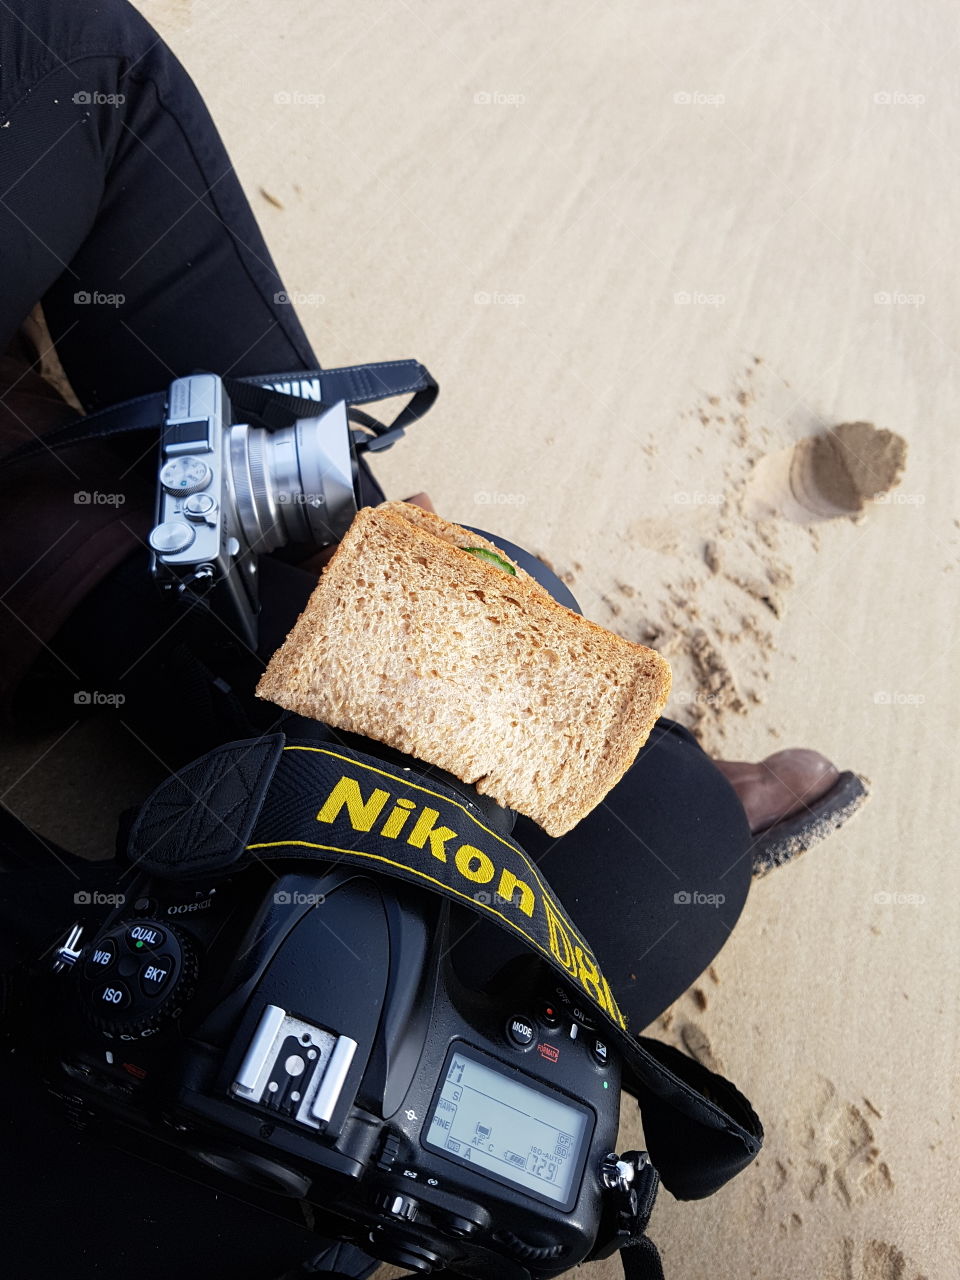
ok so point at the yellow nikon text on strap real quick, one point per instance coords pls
(429, 835)
(472, 863)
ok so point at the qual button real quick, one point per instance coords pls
(145, 936)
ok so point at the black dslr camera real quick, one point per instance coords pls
(309, 1038)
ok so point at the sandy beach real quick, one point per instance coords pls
(646, 251)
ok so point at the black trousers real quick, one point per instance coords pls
(120, 210)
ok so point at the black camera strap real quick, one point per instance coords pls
(273, 397)
(274, 400)
(272, 798)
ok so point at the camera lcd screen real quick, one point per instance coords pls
(517, 1133)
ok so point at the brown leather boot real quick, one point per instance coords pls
(793, 799)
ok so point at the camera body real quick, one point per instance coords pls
(307, 1039)
(228, 491)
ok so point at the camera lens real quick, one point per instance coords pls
(295, 484)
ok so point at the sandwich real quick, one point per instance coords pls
(427, 637)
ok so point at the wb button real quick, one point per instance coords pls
(520, 1032)
(100, 958)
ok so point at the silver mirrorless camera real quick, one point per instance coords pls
(229, 491)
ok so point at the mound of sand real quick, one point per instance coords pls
(838, 472)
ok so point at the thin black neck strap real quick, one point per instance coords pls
(273, 400)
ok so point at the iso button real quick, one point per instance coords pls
(111, 995)
(520, 1031)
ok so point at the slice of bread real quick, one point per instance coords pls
(416, 643)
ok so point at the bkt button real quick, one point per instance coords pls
(153, 976)
(520, 1031)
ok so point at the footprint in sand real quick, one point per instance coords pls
(841, 1157)
(697, 1043)
(877, 1261)
(833, 1153)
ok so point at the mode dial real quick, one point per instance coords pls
(185, 475)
